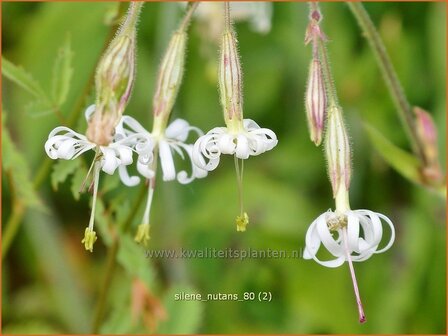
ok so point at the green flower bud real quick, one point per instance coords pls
(114, 80)
(337, 151)
(230, 81)
(169, 80)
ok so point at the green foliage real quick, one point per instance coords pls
(57, 283)
(62, 169)
(131, 257)
(191, 312)
(403, 162)
(22, 78)
(16, 165)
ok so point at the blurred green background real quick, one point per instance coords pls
(51, 284)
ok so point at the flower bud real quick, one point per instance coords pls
(427, 134)
(337, 150)
(169, 80)
(114, 79)
(316, 102)
(230, 80)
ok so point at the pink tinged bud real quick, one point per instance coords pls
(337, 150)
(114, 80)
(316, 102)
(169, 77)
(230, 79)
(427, 134)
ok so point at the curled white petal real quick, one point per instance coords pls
(362, 244)
(127, 180)
(179, 130)
(145, 170)
(196, 172)
(64, 143)
(249, 141)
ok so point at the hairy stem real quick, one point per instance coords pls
(18, 209)
(402, 105)
(187, 18)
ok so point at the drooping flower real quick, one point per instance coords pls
(165, 139)
(363, 229)
(114, 80)
(348, 235)
(173, 140)
(241, 137)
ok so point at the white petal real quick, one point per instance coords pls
(145, 170)
(392, 236)
(206, 148)
(127, 180)
(327, 238)
(178, 129)
(242, 147)
(196, 172)
(226, 143)
(110, 162)
(68, 145)
(352, 231)
(166, 161)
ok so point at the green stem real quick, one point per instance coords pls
(402, 105)
(16, 217)
(111, 264)
(328, 76)
(187, 18)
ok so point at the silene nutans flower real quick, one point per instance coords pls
(114, 78)
(165, 139)
(241, 137)
(348, 235)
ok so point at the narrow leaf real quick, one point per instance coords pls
(22, 78)
(403, 162)
(14, 162)
(62, 73)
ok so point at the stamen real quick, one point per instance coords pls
(142, 236)
(90, 235)
(95, 159)
(243, 219)
(362, 316)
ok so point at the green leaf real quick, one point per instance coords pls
(62, 73)
(16, 164)
(39, 108)
(133, 259)
(77, 180)
(22, 78)
(184, 317)
(403, 162)
(62, 170)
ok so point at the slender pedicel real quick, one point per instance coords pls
(362, 316)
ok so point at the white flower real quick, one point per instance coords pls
(363, 229)
(64, 143)
(172, 140)
(251, 140)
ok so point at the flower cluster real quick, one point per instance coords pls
(115, 138)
